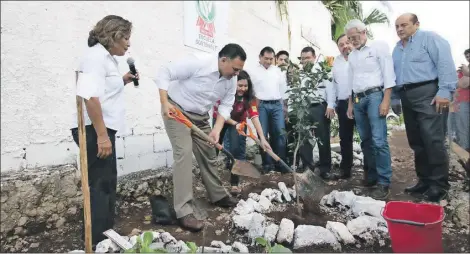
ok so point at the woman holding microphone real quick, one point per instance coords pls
(102, 87)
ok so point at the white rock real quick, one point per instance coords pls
(286, 231)
(341, 232)
(270, 232)
(167, 238)
(133, 240)
(292, 192)
(240, 247)
(223, 248)
(285, 192)
(178, 247)
(367, 206)
(335, 147)
(160, 246)
(307, 235)
(368, 228)
(345, 198)
(107, 246)
(156, 236)
(264, 203)
(268, 193)
(358, 156)
(357, 148)
(254, 196)
(278, 197)
(208, 249)
(357, 163)
(243, 208)
(77, 251)
(257, 226)
(329, 199)
(242, 221)
(256, 206)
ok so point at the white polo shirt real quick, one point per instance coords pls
(99, 76)
(371, 66)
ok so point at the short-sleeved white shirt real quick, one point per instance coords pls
(99, 76)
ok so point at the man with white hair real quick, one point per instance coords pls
(371, 76)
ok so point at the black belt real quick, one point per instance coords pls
(318, 104)
(368, 91)
(407, 87)
(271, 101)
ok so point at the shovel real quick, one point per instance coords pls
(312, 187)
(242, 168)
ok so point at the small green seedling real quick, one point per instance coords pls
(143, 245)
(277, 248)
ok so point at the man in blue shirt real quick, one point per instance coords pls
(426, 78)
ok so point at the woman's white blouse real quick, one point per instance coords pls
(99, 76)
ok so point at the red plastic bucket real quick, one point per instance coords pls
(414, 228)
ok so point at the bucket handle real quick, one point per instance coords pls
(413, 223)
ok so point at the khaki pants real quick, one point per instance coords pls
(184, 142)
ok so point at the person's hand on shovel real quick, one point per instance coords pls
(265, 144)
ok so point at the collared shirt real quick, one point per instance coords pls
(199, 85)
(99, 77)
(341, 83)
(371, 66)
(268, 84)
(427, 56)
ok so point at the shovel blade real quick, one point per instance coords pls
(311, 187)
(245, 168)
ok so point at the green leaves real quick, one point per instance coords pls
(261, 241)
(143, 245)
(192, 246)
(277, 248)
(148, 238)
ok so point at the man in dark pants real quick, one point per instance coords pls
(343, 90)
(426, 78)
(269, 85)
(321, 112)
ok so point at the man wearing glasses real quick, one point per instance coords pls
(371, 77)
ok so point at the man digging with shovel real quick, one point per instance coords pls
(201, 82)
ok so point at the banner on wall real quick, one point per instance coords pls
(205, 24)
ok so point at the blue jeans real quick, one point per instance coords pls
(234, 144)
(271, 117)
(372, 129)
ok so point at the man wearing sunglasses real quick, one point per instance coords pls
(371, 77)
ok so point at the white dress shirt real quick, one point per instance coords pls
(268, 84)
(199, 85)
(371, 66)
(99, 76)
(341, 83)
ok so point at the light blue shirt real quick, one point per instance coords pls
(427, 56)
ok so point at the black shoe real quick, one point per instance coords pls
(227, 202)
(418, 188)
(381, 192)
(328, 176)
(344, 174)
(369, 184)
(435, 194)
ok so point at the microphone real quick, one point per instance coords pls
(130, 62)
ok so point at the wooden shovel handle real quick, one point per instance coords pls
(178, 116)
(251, 135)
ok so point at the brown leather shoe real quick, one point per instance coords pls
(227, 202)
(189, 222)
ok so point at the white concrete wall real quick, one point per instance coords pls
(41, 43)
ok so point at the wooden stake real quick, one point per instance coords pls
(84, 172)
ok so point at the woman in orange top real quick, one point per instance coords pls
(243, 107)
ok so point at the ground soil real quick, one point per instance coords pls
(135, 215)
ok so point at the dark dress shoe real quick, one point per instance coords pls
(328, 176)
(381, 192)
(189, 222)
(344, 175)
(435, 194)
(227, 202)
(418, 188)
